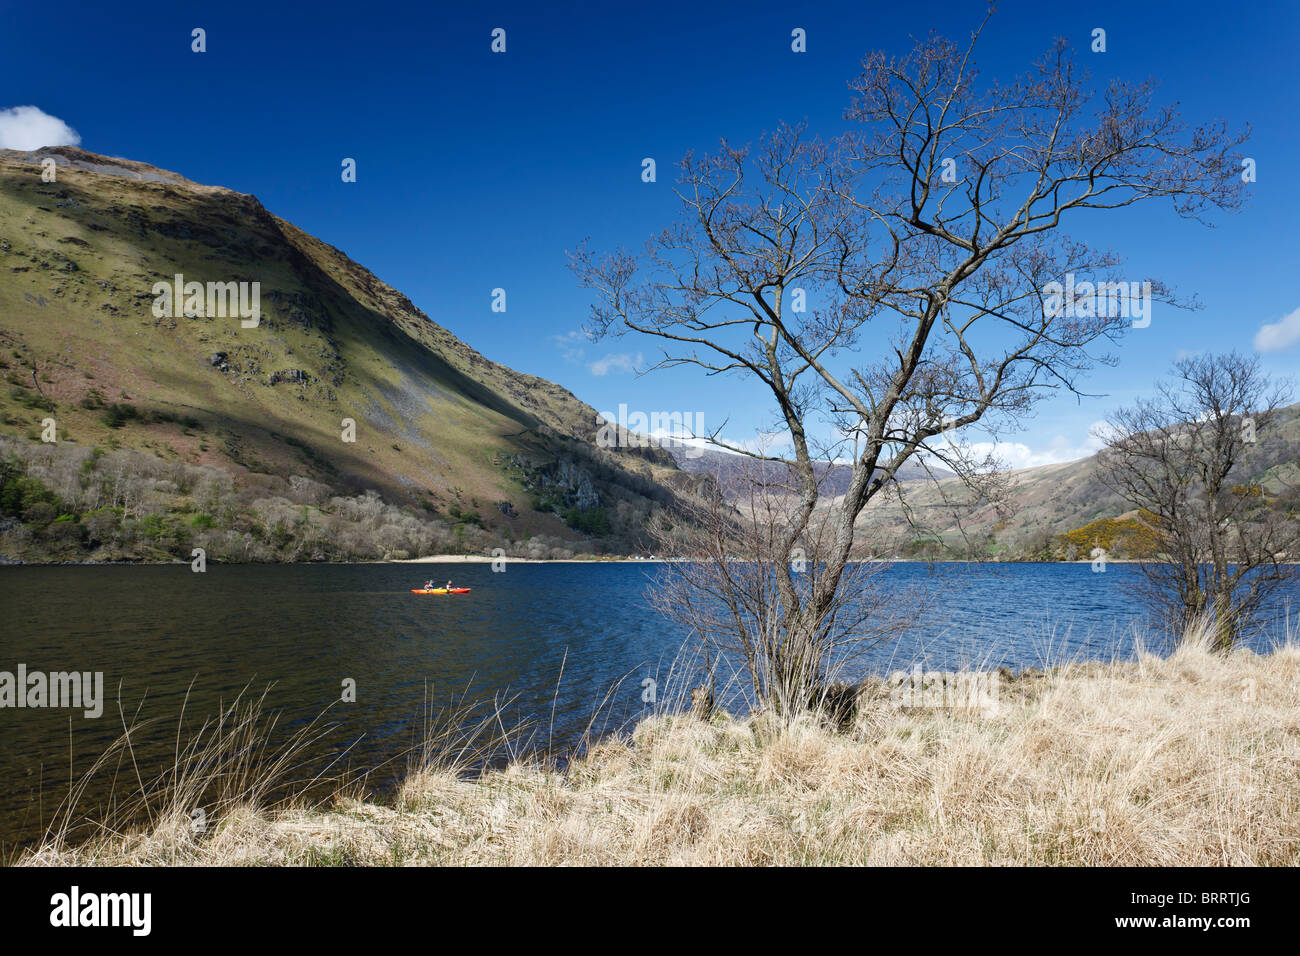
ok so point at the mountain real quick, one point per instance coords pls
(1035, 507)
(733, 472)
(1050, 500)
(439, 428)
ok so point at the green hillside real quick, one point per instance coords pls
(441, 432)
(1043, 505)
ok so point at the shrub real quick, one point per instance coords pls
(118, 415)
(64, 530)
(588, 520)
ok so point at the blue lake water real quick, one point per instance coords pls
(557, 639)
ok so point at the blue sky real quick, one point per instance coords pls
(478, 171)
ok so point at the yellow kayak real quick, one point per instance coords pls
(440, 591)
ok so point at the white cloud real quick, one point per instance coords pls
(571, 344)
(1011, 455)
(766, 443)
(1016, 455)
(1279, 335)
(617, 362)
(30, 127)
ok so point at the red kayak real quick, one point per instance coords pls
(440, 591)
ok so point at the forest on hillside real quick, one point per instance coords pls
(67, 502)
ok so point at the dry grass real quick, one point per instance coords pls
(1191, 759)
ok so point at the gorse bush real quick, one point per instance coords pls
(1127, 537)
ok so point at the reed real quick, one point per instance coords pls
(1188, 758)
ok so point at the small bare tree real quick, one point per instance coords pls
(1189, 457)
(929, 238)
(724, 588)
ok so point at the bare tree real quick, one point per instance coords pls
(725, 589)
(1189, 458)
(929, 237)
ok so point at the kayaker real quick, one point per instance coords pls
(448, 587)
(428, 585)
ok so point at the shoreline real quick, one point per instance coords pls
(915, 785)
(6, 562)
(488, 559)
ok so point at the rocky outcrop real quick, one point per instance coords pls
(295, 375)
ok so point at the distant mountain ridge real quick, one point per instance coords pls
(733, 470)
(1050, 500)
(1039, 504)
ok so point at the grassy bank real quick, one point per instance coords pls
(1188, 759)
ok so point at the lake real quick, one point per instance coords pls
(556, 638)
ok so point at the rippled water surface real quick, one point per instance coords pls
(556, 637)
